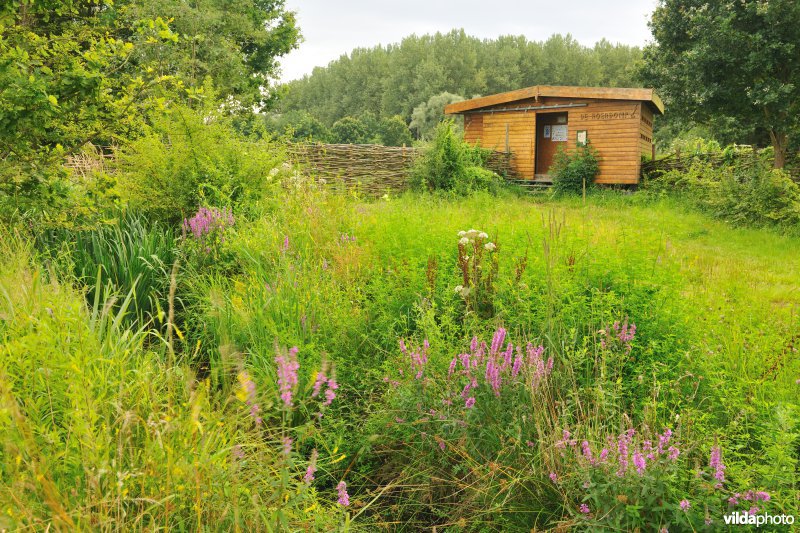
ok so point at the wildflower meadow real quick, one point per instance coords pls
(321, 362)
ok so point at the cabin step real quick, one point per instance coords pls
(531, 186)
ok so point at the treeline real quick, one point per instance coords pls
(394, 80)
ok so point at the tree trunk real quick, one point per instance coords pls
(779, 146)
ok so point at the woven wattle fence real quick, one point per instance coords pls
(681, 163)
(370, 169)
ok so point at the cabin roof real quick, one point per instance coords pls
(560, 91)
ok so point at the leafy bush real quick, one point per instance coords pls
(349, 130)
(450, 164)
(572, 170)
(190, 158)
(743, 192)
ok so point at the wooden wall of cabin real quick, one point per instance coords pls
(646, 132)
(614, 127)
(490, 130)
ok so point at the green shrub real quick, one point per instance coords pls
(572, 170)
(349, 130)
(745, 192)
(450, 164)
(190, 158)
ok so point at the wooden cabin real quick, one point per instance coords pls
(531, 124)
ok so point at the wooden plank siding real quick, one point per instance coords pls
(621, 129)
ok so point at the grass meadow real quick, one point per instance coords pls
(322, 362)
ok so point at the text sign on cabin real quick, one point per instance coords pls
(610, 115)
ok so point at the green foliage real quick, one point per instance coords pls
(298, 126)
(100, 428)
(66, 81)
(394, 132)
(350, 130)
(427, 116)
(729, 59)
(236, 45)
(190, 158)
(394, 79)
(743, 191)
(572, 171)
(129, 256)
(450, 164)
(343, 280)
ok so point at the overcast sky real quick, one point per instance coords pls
(334, 27)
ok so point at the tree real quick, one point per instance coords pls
(729, 58)
(395, 132)
(349, 130)
(236, 43)
(65, 82)
(428, 114)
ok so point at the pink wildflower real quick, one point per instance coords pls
(469, 403)
(584, 508)
(344, 498)
(685, 505)
(287, 445)
(312, 466)
(715, 462)
(553, 477)
(639, 462)
(287, 374)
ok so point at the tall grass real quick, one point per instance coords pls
(129, 254)
(343, 280)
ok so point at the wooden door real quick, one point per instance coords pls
(551, 132)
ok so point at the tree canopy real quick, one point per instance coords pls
(395, 79)
(734, 60)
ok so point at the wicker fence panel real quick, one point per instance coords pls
(679, 162)
(370, 169)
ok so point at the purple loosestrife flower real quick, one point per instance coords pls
(673, 453)
(452, 368)
(639, 462)
(715, 462)
(622, 451)
(321, 380)
(312, 466)
(493, 375)
(330, 395)
(685, 505)
(285, 247)
(603, 455)
(587, 452)
(287, 445)
(287, 374)
(497, 341)
(237, 452)
(584, 508)
(753, 510)
(517, 365)
(344, 498)
(763, 496)
(470, 403)
(663, 440)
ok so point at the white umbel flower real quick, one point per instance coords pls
(463, 241)
(483, 236)
(490, 246)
